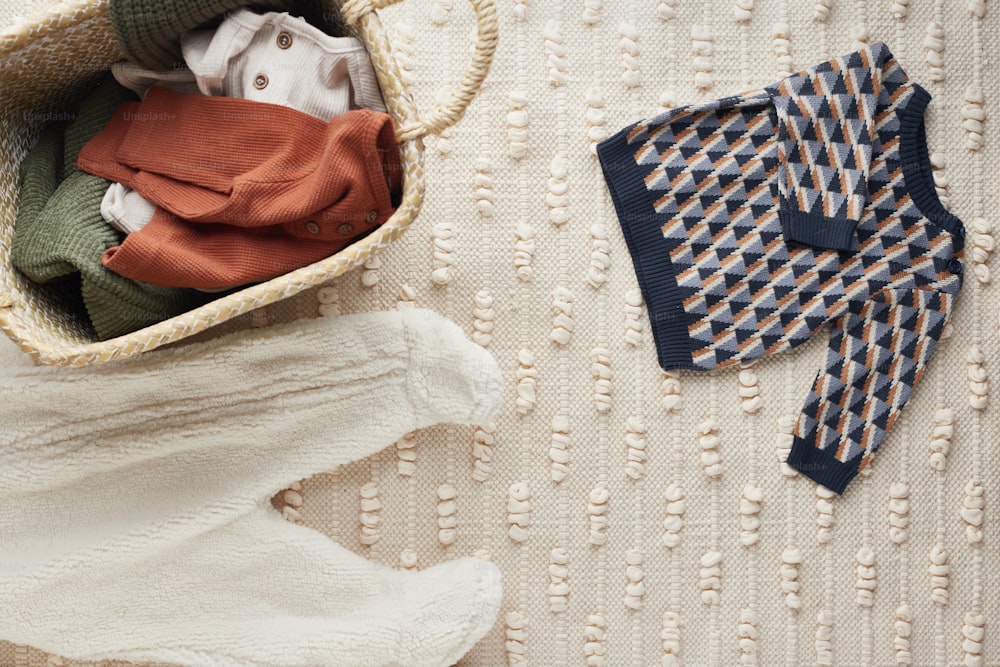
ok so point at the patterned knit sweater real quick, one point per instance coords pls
(755, 220)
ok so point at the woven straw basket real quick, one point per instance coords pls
(44, 62)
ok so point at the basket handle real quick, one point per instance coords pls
(452, 110)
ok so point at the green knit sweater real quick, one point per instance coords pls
(60, 236)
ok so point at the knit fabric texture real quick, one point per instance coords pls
(247, 200)
(149, 31)
(140, 79)
(281, 59)
(755, 220)
(135, 499)
(271, 57)
(301, 66)
(60, 236)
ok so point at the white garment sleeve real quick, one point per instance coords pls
(138, 79)
(125, 209)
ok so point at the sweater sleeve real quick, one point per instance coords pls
(874, 361)
(826, 120)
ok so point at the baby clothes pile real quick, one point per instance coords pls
(268, 149)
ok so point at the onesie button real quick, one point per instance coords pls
(260, 81)
(312, 227)
(284, 40)
(371, 217)
(955, 266)
(345, 229)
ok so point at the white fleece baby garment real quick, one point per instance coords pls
(135, 514)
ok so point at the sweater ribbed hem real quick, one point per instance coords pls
(916, 165)
(818, 231)
(821, 466)
(640, 223)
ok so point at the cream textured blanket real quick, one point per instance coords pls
(641, 518)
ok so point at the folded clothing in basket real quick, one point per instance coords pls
(245, 190)
(270, 57)
(149, 31)
(281, 59)
(301, 67)
(60, 236)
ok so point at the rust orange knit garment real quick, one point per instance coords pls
(244, 190)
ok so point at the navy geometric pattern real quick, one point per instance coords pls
(755, 220)
(825, 133)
